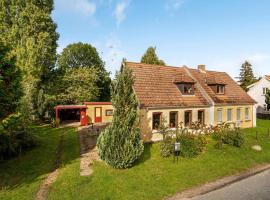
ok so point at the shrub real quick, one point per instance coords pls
(14, 136)
(166, 147)
(191, 145)
(224, 134)
(234, 138)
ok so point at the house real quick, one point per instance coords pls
(258, 90)
(90, 112)
(182, 94)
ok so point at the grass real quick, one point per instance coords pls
(20, 177)
(152, 177)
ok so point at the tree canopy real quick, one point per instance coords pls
(120, 143)
(267, 99)
(246, 76)
(27, 27)
(150, 57)
(10, 83)
(86, 56)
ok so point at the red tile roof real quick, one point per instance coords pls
(155, 87)
(267, 77)
(234, 94)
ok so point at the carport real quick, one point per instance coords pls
(63, 112)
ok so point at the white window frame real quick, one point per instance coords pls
(247, 114)
(229, 110)
(219, 117)
(238, 114)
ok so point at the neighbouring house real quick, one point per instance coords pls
(182, 94)
(258, 90)
(90, 112)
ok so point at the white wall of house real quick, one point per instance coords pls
(256, 92)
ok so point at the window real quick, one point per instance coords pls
(186, 88)
(188, 118)
(201, 116)
(229, 114)
(173, 119)
(247, 114)
(238, 114)
(109, 112)
(220, 89)
(156, 120)
(265, 107)
(265, 90)
(219, 112)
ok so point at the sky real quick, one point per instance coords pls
(221, 34)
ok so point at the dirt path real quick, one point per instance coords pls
(88, 138)
(51, 178)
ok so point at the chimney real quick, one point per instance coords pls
(201, 68)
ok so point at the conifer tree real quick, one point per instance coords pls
(120, 144)
(150, 57)
(267, 99)
(246, 76)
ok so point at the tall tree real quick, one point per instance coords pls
(120, 143)
(246, 76)
(86, 56)
(150, 57)
(10, 83)
(28, 28)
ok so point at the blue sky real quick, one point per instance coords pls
(218, 33)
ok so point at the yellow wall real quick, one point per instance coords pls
(244, 123)
(90, 111)
(145, 123)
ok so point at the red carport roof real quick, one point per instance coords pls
(70, 107)
(98, 103)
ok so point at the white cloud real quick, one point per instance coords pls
(174, 5)
(119, 12)
(84, 7)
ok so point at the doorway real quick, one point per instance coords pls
(98, 114)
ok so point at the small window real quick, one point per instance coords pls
(238, 114)
(186, 88)
(109, 112)
(265, 90)
(173, 119)
(188, 118)
(265, 107)
(247, 117)
(229, 114)
(201, 116)
(220, 89)
(219, 115)
(156, 121)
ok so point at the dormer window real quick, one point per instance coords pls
(216, 84)
(220, 89)
(186, 88)
(184, 83)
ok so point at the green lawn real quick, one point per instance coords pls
(20, 177)
(151, 178)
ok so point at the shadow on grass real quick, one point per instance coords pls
(33, 165)
(146, 155)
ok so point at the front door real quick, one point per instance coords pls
(201, 117)
(98, 114)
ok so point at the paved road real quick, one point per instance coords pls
(256, 187)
